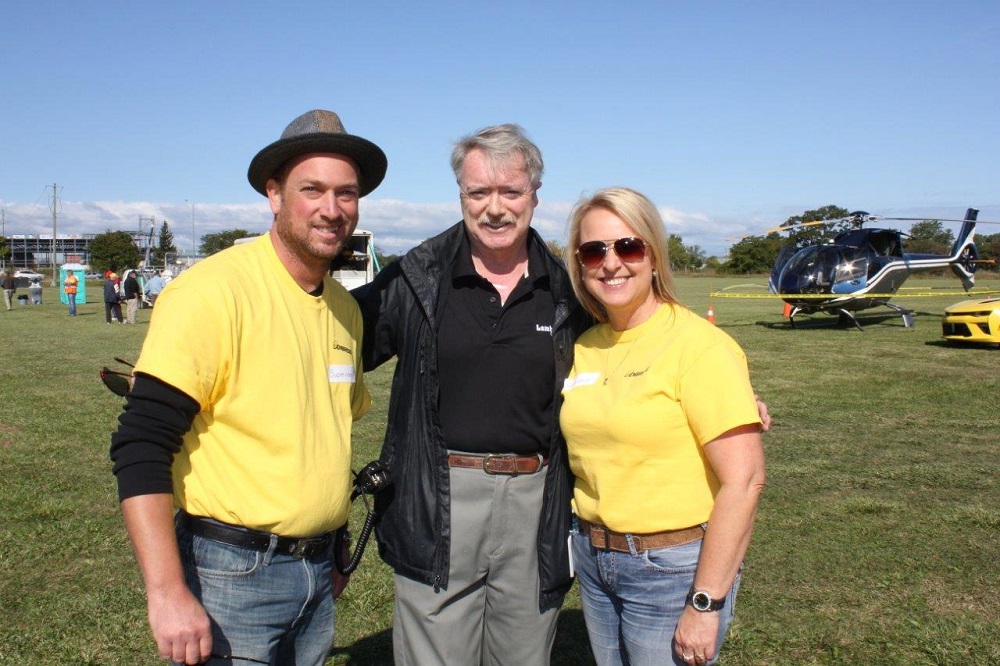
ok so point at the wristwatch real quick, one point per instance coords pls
(703, 602)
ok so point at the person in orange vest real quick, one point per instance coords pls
(69, 287)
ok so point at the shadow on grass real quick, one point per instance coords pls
(374, 649)
(828, 321)
(948, 344)
(571, 647)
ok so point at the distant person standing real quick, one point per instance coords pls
(112, 300)
(9, 287)
(132, 295)
(154, 287)
(70, 285)
(35, 291)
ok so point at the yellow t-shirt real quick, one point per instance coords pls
(277, 373)
(639, 406)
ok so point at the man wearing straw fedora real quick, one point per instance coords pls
(233, 453)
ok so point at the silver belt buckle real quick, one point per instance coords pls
(300, 548)
(490, 456)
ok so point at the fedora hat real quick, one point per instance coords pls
(318, 131)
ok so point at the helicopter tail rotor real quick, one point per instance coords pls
(966, 266)
(965, 252)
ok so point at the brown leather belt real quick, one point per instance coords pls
(604, 539)
(499, 463)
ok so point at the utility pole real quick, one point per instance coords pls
(3, 232)
(194, 239)
(55, 207)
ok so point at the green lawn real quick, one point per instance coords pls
(877, 539)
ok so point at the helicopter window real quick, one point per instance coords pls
(805, 258)
(818, 262)
(884, 244)
(850, 268)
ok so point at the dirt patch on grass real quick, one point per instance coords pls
(7, 433)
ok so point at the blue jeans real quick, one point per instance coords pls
(632, 602)
(265, 608)
(71, 299)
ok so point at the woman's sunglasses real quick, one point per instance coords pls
(630, 250)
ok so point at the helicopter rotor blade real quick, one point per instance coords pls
(787, 227)
(790, 227)
(876, 218)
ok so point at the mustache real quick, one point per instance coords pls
(506, 219)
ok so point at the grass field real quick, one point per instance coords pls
(877, 541)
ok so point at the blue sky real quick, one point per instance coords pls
(731, 116)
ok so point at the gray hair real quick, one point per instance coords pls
(499, 143)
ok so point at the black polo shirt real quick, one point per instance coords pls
(495, 362)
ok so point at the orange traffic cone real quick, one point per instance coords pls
(711, 314)
(787, 312)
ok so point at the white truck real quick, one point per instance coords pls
(357, 263)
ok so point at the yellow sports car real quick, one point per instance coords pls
(972, 321)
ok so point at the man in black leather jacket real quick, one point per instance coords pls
(482, 320)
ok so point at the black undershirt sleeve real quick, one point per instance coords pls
(150, 432)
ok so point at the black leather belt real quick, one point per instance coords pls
(242, 537)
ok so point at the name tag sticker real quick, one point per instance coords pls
(341, 374)
(582, 379)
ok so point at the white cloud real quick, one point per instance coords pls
(397, 225)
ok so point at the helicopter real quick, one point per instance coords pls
(863, 268)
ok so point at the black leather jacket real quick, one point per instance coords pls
(400, 314)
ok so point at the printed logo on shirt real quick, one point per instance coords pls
(341, 374)
(542, 328)
(582, 379)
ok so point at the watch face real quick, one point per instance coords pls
(701, 601)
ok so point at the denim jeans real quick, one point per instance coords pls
(632, 602)
(265, 608)
(71, 300)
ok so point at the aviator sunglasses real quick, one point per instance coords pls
(630, 250)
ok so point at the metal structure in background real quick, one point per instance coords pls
(35, 251)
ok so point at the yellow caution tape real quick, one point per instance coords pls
(797, 297)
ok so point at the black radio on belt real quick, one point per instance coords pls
(371, 480)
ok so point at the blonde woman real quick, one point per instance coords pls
(664, 441)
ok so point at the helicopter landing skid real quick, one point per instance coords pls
(847, 317)
(907, 315)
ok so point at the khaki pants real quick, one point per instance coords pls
(489, 612)
(132, 310)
